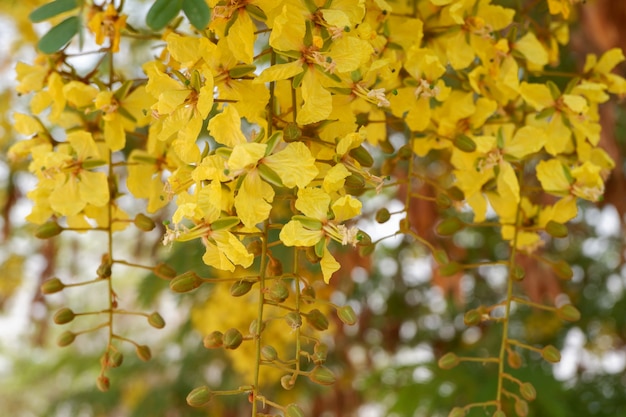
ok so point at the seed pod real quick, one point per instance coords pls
(240, 288)
(521, 408)
(164, 271)
(347, 315)
(48, 230)
(555, 229)
(464, 143)
(143, 352)
(450, 269)
(457, 412)
(450, 226)
(200, 396)
(155, 320)
(186, 282)
(52, 285)
(144, 222)
(269, 353)
(64, 315)
(551, 354)
(232, 339)
(103, 383)
(383, 215)
(362, 156)
(514, 359)
(287, 382)
(213, 340)
(66, 338)
(568, 312)
(528, 391)
(563, 270)
(293, 319)
(472, 317)
(317, 320)
(279, 291)
(322, 375)
(448, 361)
(293, 410)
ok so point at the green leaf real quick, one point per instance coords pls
(52, 9)
(197, 12)
(162, 12)
(59, 35)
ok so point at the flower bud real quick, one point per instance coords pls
(354, 184)
(164, 271)
(232, 339)
(441, 257)
(518, 273)
(291, 132)
(52, 285)
(362, 156)
(499, 413)
(269, 353)
(240, 288)
(103, 383)
(563, 270)
(143, 352)
(456, 193)
(472, 317)
(308, 294)
(200, 396)
(450, 226)
(66, 338)
(64, 315)
(48, 230)
(213, 340)
(104, 269)
(114, 359)
(278, 292)
(551, 354)
(528, 391)
(293, 410)
(366, 250)
(443, 201)
(293, 319)
(383, 215)
(144, 222)
(521, 408)
(155, 320)
(457, 412)
(448, 361)
(555, 229)
(317, 320)
(287, 382)
(347, 315)
(450, 269)
(404, 226)
(322, 376)
(186, 282)
(254, 328)
(464, 143)
(405, 152)
(568, 312)
(363, 238)
(514, 359)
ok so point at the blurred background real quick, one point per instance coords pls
(408, 314)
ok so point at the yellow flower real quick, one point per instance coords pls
(107, 24)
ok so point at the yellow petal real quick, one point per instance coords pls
(551, 174)
(346, 208)
(532, 49)
(294, 234)
(241, 38)
(93, 188)
(233, 248)
(295, 165)
(317, 100)
(246, 155)
(537, 95)
(252, 200)
(226, 127)
(335, 178)
(526, 141)
(313, 202)
(329, 265)
(289, 29)
(79, 94)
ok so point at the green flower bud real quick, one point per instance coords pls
(448, 361)
(164, 271)
(443, 201)
(317, 320)
(555, 229)
(457, 412)
(292, 410)
(52, 285)
(518, 273)
(143, 352)
(213, 340)
(66, 338)
(441, 257)
(450, 269)
(354, 184)
(293, 319)
(103, 383)
(472, 317)
(308, 294)
(48, 230)
(383, 215)
(114, 359)
(186, 282)
(499, 413)
(464, 143)
(200, 396)
(521, 408)
(551, 354)
(292, 132)
(405, 152)
(362, 156)
(568, 312)
(287, 382)
(528, 391)
(279, 291)
(232, 339)
(347, 315)
(363, 239)
(64, 315)
(404, 226)
(155, 320)
(240, 288)
(144, 222)
(514, 359)
(254, 328)
(450, 226)
(456, 193)
(269, 353)
(104, 269)
(563, 270)
(366, 250)
(322, 376)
